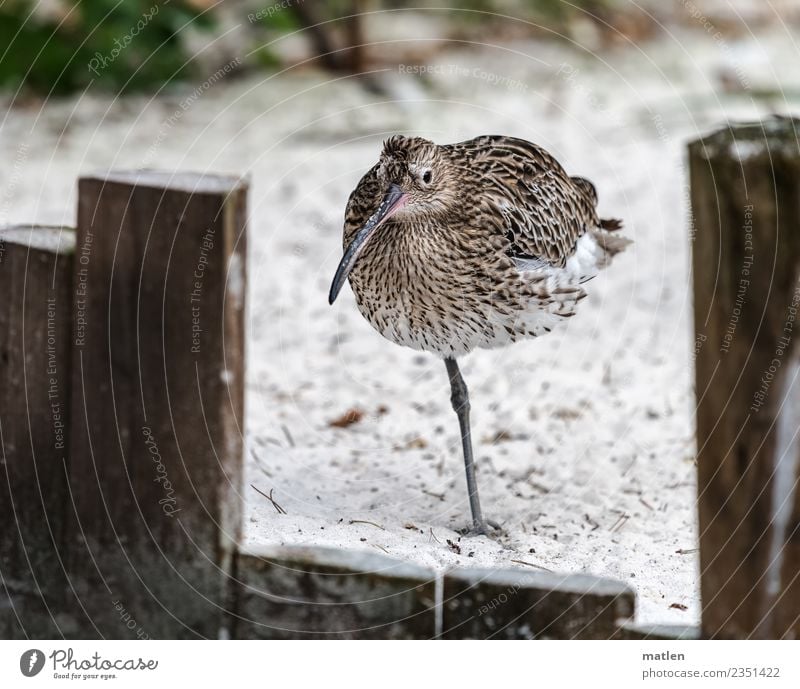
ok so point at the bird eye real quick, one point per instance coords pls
(427, 176)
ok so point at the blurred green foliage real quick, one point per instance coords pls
(61, 46)
(117, 45)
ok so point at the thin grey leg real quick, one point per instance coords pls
(459, 397)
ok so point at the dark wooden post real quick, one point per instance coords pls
(35, 279)
(745, 198)
(518, 604)
(158, 398)
(299, 592)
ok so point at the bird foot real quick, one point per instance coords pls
(487, 527)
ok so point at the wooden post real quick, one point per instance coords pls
(518, 604)
(745, 195)
(306, 592)
(35, 279)
(158, 394)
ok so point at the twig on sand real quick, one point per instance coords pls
(382, 548)
(530, 564)
(269, 497)
(364, 521)
(440, 496)
(620, 522)
(433, 535)
(679, 484)
(288, 435)
(686, 551)
(538, 486)
(263, 469)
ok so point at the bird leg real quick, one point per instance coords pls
(459, 397)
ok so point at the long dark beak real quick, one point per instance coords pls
(392, 202)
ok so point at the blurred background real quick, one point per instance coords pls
(152, 45)
(585, 441)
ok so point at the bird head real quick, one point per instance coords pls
(415, 183)
(417, 168)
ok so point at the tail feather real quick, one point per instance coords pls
(610, 224)
(586, 187)
(612, 244)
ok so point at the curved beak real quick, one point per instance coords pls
(393, 201)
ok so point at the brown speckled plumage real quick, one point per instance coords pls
(474, 244)
(443, 275)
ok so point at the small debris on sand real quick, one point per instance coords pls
(350, 417)
(454, 547)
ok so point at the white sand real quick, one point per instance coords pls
(584, 438)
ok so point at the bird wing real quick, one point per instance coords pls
(527, 196)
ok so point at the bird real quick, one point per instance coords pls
(477, 244)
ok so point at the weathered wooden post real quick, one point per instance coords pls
(158, 384)
(745, 199)
(516, 604)
(35, 279)
(298, 592)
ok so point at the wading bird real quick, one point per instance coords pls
(475, 244)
